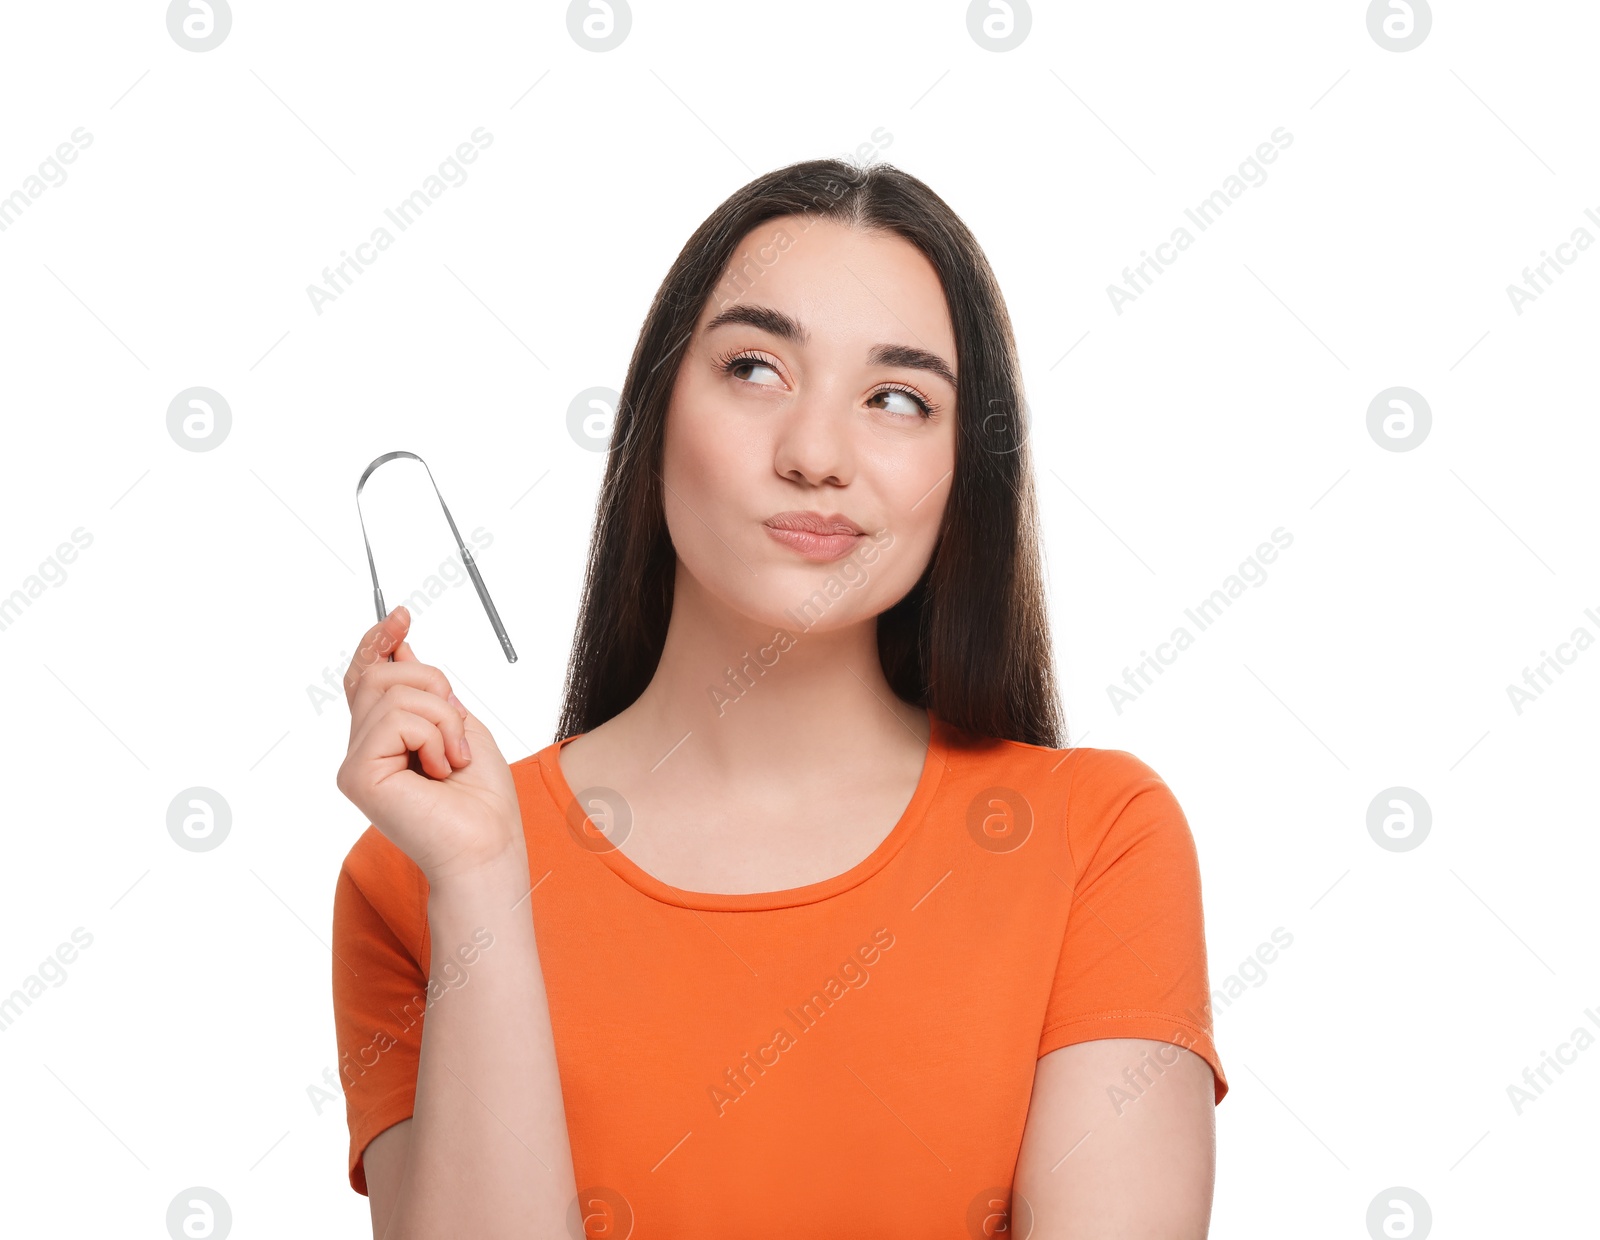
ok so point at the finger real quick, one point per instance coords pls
(481, 739)
(396, 733)
(375, 647)
(372, 731)
(382, 677)
(443, 716)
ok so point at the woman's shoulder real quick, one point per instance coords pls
(1097, 795)
(1086, 769)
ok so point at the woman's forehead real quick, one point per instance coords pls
(812, 280)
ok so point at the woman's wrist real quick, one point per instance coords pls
(503, 876)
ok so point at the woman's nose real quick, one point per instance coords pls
(813, 443)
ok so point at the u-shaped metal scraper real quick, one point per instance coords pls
(466, 555)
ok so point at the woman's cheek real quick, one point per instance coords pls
(702, 480)
(709, 464)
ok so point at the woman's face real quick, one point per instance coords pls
(820, 379)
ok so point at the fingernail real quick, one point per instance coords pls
(456, 702)
(466, 749)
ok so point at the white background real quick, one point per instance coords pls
(1170, 440)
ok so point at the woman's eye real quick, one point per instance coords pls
(901, 404)
(741, 368)
(907, 406)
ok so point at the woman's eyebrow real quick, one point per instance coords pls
(912, 359)
(775, 322)
(785, 327)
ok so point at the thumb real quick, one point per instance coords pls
(398, 624)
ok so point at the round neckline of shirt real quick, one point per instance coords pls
(934, 763)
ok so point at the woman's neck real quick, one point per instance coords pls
(740, 697)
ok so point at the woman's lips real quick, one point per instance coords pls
(819, 547)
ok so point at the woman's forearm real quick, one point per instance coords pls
(488, 1154)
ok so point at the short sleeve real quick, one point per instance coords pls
(1133, 958)
(380, 950)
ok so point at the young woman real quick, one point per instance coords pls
(804, 925)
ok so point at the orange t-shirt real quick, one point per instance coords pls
(860, 1048)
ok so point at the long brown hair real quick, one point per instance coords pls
(970, 641)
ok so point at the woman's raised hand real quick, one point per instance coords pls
(458, 813)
